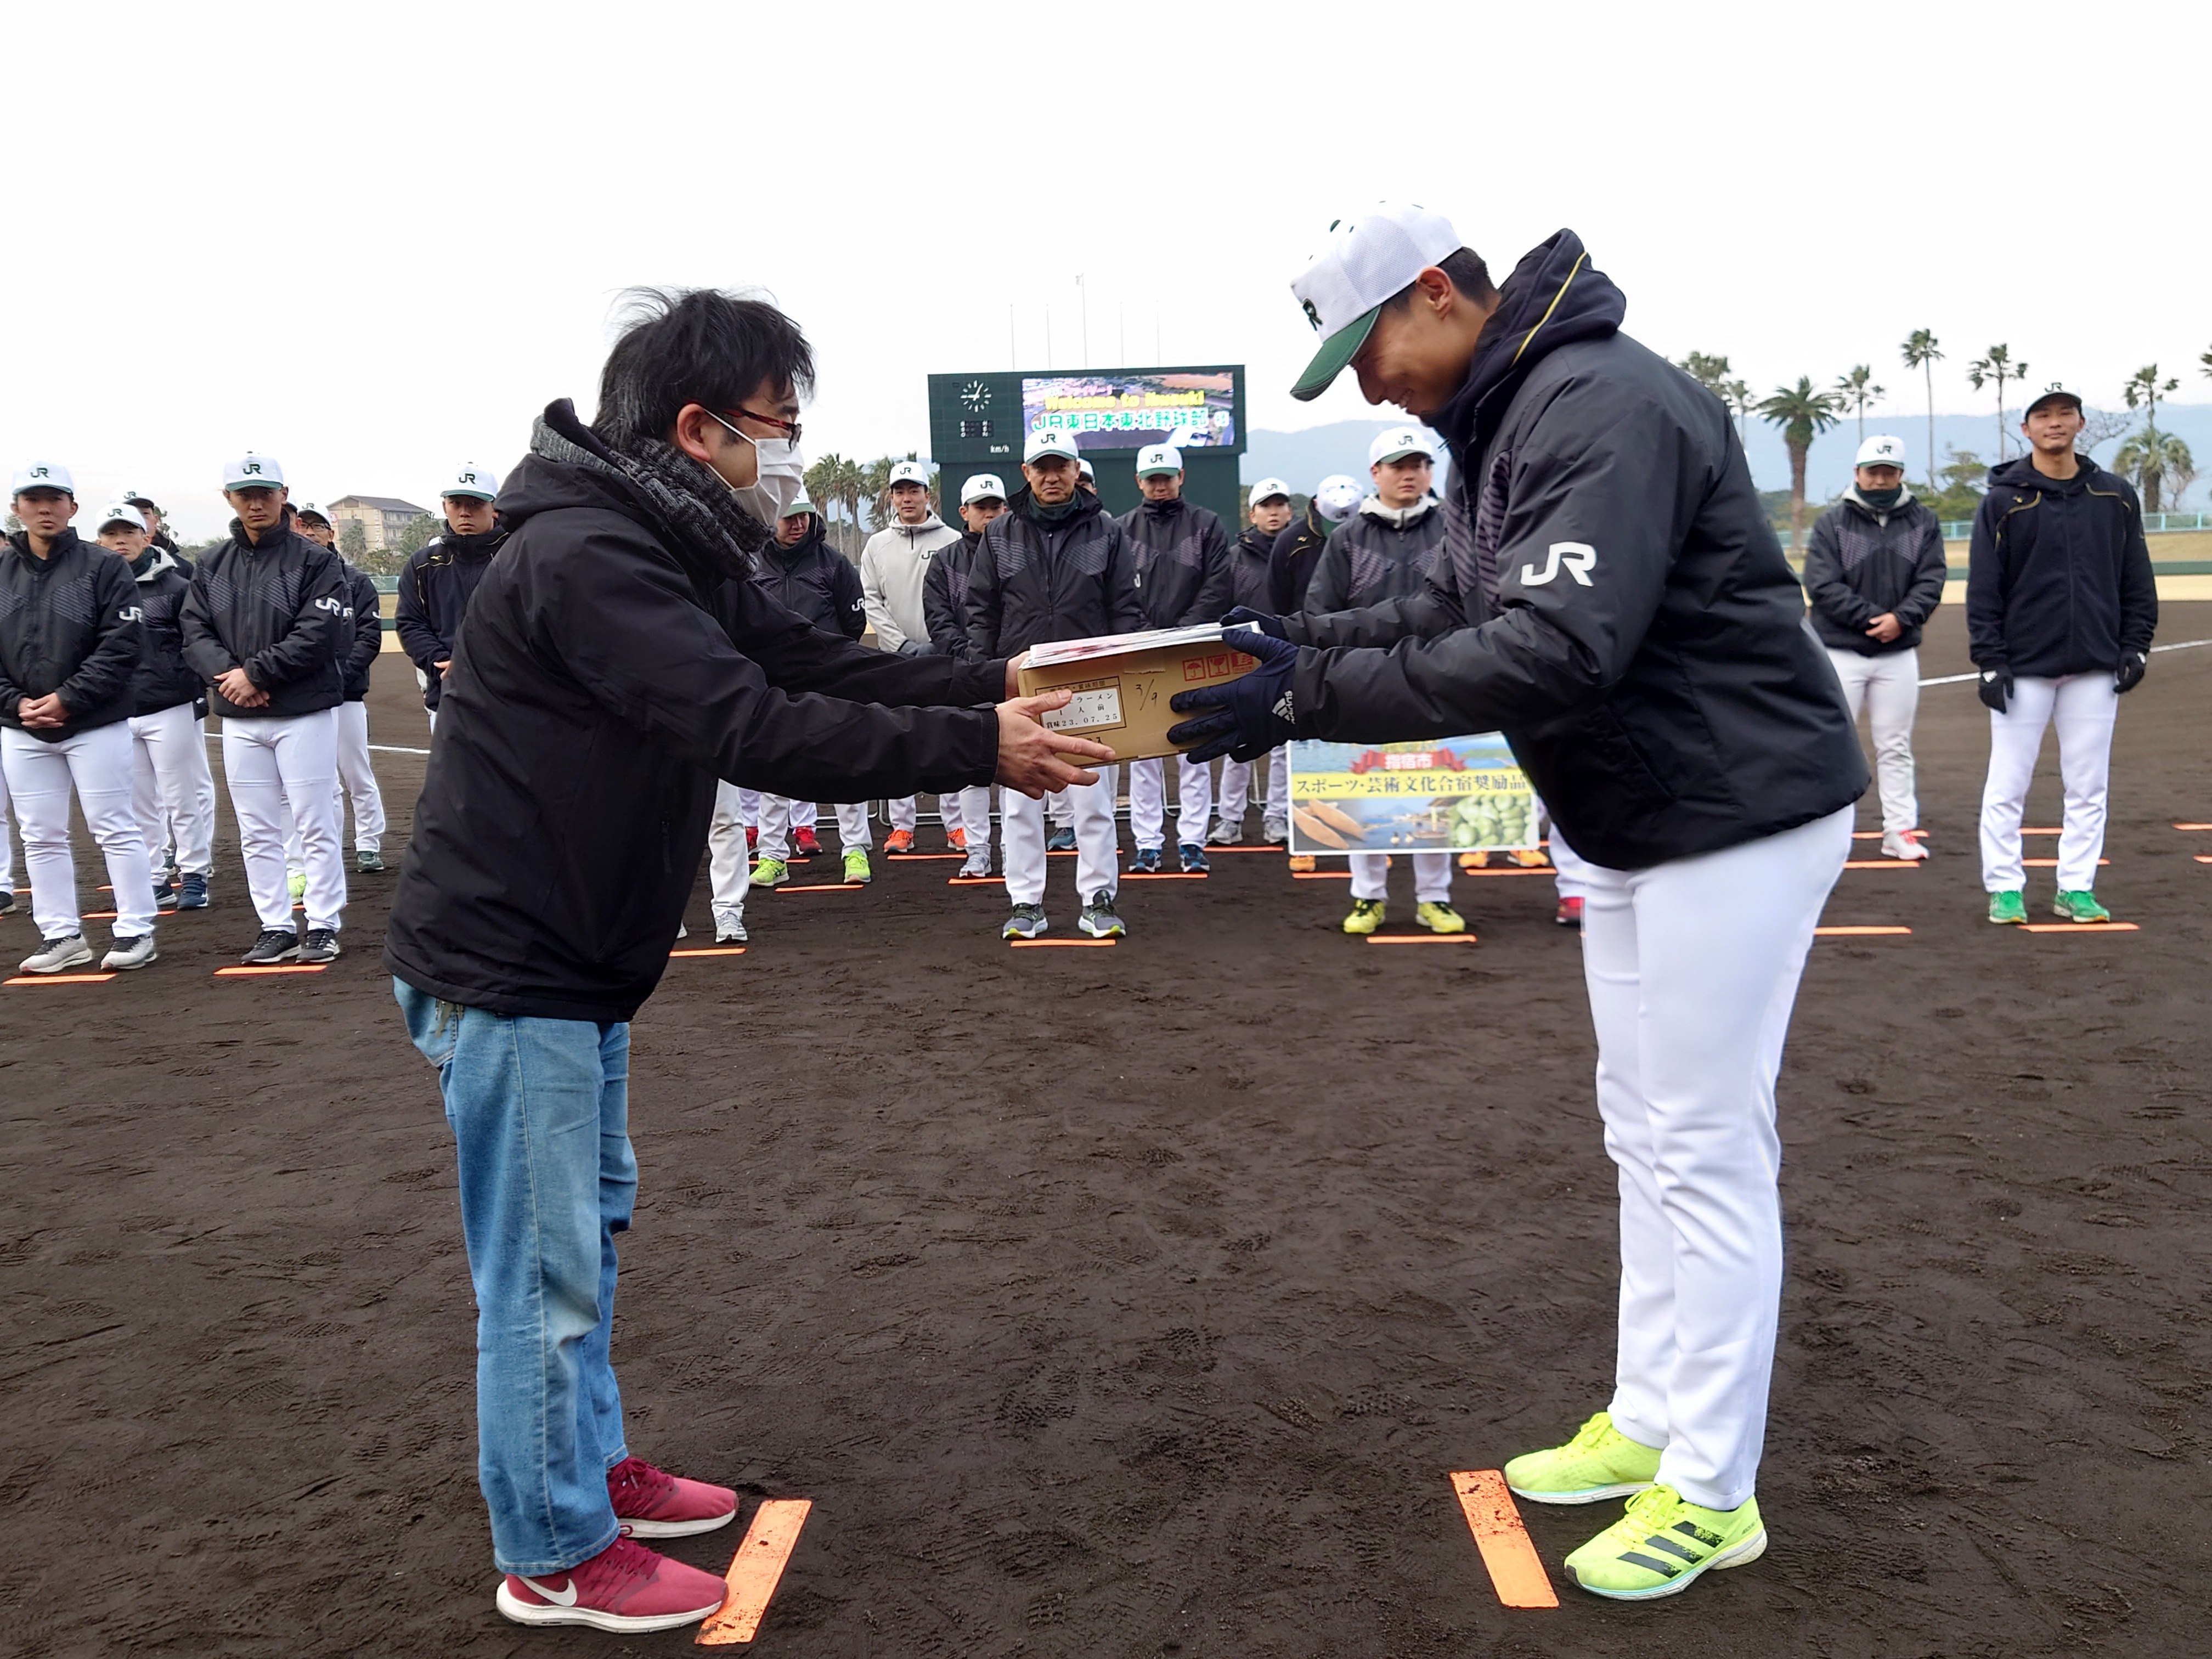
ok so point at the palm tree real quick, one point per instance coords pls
(1736, 394)
(1803, 414)
(835, 481)
(1855, 390)
(1708, 371)
(1997, 367)
(2143, 391)
(1920, 352)
(2152, 457)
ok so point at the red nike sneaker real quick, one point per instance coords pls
(625, 1586)
(652, 1504)
(804, 845)
(899, 841)
(1570, 913)
(752, 838)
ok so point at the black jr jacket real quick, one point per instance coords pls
(68, 623)
(1248, 558)
(281, 610)
(1290, 566)
(435, 586)
(609, 674)
(945, 594)
(813, 579)
(2059, 579)
(368, 631)
(1035, 579)
(164, 679)
(1610, 597)
(1184, 578)
(1371, 557)
(1862, 563)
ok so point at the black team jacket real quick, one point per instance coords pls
(368, 631)
(1291, 565)
(2059, 579)
(1249, 567)
(1039, 577)
(813, 579)
(1184, 578)
(945, 594)
(164, 679)
(279, 609)
(1610, 597)
(1378, 553)
(1865, 562)
(435, 588)
(69, 623)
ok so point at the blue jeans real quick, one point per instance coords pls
(540, 1114)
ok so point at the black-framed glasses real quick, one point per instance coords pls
(790, 430)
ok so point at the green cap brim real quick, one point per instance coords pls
(1339, 349)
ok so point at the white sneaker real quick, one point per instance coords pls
(729, 927)
(1904, 844)
(978, 863)
(1225, 834)
(131, 953)
(58, 955)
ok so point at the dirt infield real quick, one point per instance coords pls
(1140, 1301)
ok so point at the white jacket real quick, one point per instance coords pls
(892, 567)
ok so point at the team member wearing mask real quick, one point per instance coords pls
(69, 650)
(945, 601)
(894, 563)
(438, 578)
(268, 624)
(1250, 558)
(1183, 580)
(356, 773)
(1612, 597)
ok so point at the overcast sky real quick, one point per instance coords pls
(373, 240)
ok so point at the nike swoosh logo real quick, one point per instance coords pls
(565, 1598)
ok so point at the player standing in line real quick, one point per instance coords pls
(157, 534)
(1055, 566)
(1060, 806)
(1612, 597)
(1269, 506)
(945, 601)
(70, 649)
(438, 578)
(1384, 552)
(1297, 551)
(894, 562)
(1183, 580)
(356, 772)
(268, 624)
(173, 791)
(2061, 607)
(1875, 572)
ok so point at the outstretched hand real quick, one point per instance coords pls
(1251, 714)
(1033, 760)
(1272, 626)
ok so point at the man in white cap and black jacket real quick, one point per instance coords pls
(945, 601)
(438, 578)
(356, 771)
(1298, 550)
(619, 659)
(1183, 580)
(1268, 506)
(268, 624)
(893, 562)
(1612, 597)
(1874, 574)
(69, 634)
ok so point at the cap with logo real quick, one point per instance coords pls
(139, 498)
(1267, 489)
(1154, 459)
(911, 472)
(1052, 442)
(983, 486)
(1399, 442)
(2053, 394)
(1337, 497)
(1368, 259)
(477, 483)
(120, 513)
(252, 472)
(309, 509)
(1881, 450)
(43, 474)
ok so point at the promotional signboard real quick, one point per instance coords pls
(1192, 409)
(1436, 796)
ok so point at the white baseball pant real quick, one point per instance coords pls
(779, 815)
(1432, 877)
(1237, 789)
(1148, 781)
(7, 845)
(279, 764)
(357, 778)
(1569, 868)
(901, 811)
(97, 765)
(726, 874)
(2083, 708)
(970, 812)
(1888, 687)
(1021, 828)
(1692, 968)
(172, 788)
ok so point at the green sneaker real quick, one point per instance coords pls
(856, 865)
(1367, 916)
(2010, 907)
(1662, 1545)
(1598, 1462)
(771, 873)
(297, 882)
(2079, 907)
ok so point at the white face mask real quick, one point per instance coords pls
(780, 478)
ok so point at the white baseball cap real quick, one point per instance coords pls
(911, 472)
(983, 486)
(1266, 489)
(1338, 496)
(138, 498)
(1881, 450)
(1368, 259)
(43, 474)
(1158, 458)
(1399, 442)
(1086, 468)
(252, 472)
(478, 482)
(300, 509)
(1052, 442)
(120, 513)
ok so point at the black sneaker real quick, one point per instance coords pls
(368, 863)
(1193, 858)
(1099, 920)
(276, 944)
(321, 944)
(165, 895)
(192, 890)
(7, 902)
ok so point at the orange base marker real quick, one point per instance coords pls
(2193, 826)
(755, 1571)
(1321, 875)
(921, 858)
(976, 881)
(1163, 875)
(1515, 1573)
(58, 979)
(818, 887)
(2082, 928)
(1063, 944)
(2052, 864)
(1857, 932)
(1420, 938)
(715, 951)
(1882, 863)
(280, 968)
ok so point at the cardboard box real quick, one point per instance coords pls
(1122, 683)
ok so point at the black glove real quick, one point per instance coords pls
(1252, 714)
(1271, 626)
(1995, 688)
(2129, 675)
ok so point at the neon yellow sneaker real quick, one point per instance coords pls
(297, 882)
(2079, 907)
(856, 865)
(1663, 1543)
(771, 873)
(1439, 918)
(1598, 1462)
(1367, 916)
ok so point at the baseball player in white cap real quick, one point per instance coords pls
(945, 601)
(356, 771)
(1267, 509)
(894, 563)
(440, 576)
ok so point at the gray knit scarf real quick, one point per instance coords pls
(691, 505)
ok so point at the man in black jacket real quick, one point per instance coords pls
(618, 661)
(1298, 548)
(157, 533)
(1267, 505)
(438, 578)
(1611, 598)
(945, 604)
(1183, 580)
(356, 771)
(2061, 607)
(69, 635)
(268, 624)
(1055, 566)
(1875, 572)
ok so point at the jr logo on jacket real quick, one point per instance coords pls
(1575, 557)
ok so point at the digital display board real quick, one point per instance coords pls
(1190, 409)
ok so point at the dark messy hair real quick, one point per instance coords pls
(696, 345)
(1468, 275)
